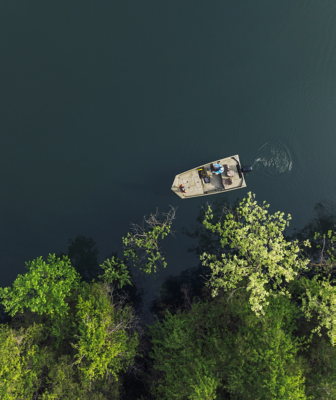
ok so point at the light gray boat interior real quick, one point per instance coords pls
(201, 181)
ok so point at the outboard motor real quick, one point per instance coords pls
(242, 170)
(246, 169)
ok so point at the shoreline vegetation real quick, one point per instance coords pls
(256, 319)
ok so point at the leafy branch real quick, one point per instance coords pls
(115, 270)
(141, 244)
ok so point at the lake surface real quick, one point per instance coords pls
(103, 103)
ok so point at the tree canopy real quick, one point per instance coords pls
(223, 348)
(43, 289)
(240, 325)
(81, 335)
(256, 256)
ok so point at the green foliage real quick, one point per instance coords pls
(186, 357)
(319, 300)
(62, 382)
(222, 348)
(332, 237)
(141, 245)
(255, 250)
(98, 335)
(76, 316)
(325, 243)
(263, 361)
(66, 383)
(320, 370)
(43, 289)
(115, 270)
(103, 344)
(21, 362)
(72, 340)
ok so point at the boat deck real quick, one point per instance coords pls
(194, 180)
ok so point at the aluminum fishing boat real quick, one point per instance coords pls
(209, 179)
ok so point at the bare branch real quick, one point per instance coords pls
(322, 250)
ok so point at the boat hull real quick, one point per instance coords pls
(201, 181)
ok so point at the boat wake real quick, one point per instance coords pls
(273, 159)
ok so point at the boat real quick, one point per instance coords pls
(205, 180)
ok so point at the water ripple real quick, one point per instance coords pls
(273, 159)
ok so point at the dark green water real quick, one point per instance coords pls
(103, 103)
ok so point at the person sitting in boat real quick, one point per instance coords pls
(217, 169)
(182, 188)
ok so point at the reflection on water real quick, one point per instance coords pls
(273, 159)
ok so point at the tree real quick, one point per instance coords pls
(318, 299)
(185, 356)
(319, 294)
(320, 369)
(263, 360)
(103, 346)
(221, 349)
(257, 256)
(115, 271)
(21, 362)
(81, 324)
(64, 382)
(246, 335)
(43, 289)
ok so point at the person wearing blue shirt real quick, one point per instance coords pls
(217, 169)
